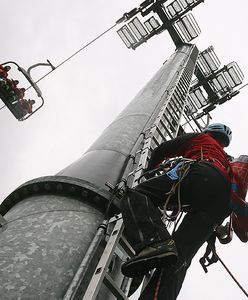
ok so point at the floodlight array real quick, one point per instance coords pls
(220, 84)
(135, 33)
(229, 77)
(187, 28)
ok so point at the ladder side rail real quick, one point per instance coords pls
(101, 269)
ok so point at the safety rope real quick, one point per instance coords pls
(158, 285)
(182, 173)
(230, 273)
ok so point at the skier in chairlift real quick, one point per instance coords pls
(4, 71)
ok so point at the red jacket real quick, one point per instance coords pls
(203, 146)
(198, 146)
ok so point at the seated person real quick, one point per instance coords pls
(27, 105)
(4, 71)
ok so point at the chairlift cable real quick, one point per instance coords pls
(75, 53)
(71, 56)
(243, 86)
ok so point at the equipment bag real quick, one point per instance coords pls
(238, 204)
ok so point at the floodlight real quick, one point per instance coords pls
(127, 37)
(152, 24)
(137, 28)
(135, 33)
(187, 28)
(207, 61)
(220, 85)
(233, 74)
(174, 9)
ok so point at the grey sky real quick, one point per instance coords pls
(86, 94)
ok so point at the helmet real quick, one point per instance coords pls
(220, 131)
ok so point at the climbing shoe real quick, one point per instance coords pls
(153, 256)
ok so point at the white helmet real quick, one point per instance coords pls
(220, 131)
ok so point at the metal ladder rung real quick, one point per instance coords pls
(155, 140)
(171, 111)
(116, 291)
(170, 121)
(160, 131)
(166, 129)
(126, 246)
(177, 103)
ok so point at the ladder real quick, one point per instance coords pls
(166, 126)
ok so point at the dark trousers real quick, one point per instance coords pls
(207, 192)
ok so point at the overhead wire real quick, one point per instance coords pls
(71, 56)
(243, 86)
(75, 53)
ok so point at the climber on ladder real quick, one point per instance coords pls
(201, 179)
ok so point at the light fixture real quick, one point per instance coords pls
(137, 28)
(135, 33)
(152, 24)
(127, 37)
(233, 74)
(187, 28)
(208, 61)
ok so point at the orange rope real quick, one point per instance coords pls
(158, 285)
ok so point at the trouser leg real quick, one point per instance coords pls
(208, 193)
(195, 229)
(142, 218)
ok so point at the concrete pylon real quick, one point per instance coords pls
(51, 221)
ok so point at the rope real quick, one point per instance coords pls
(229, 272)
(158, 285)
(183, 172)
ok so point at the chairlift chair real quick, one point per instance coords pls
(8, 98)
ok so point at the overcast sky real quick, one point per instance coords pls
(87, 93)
